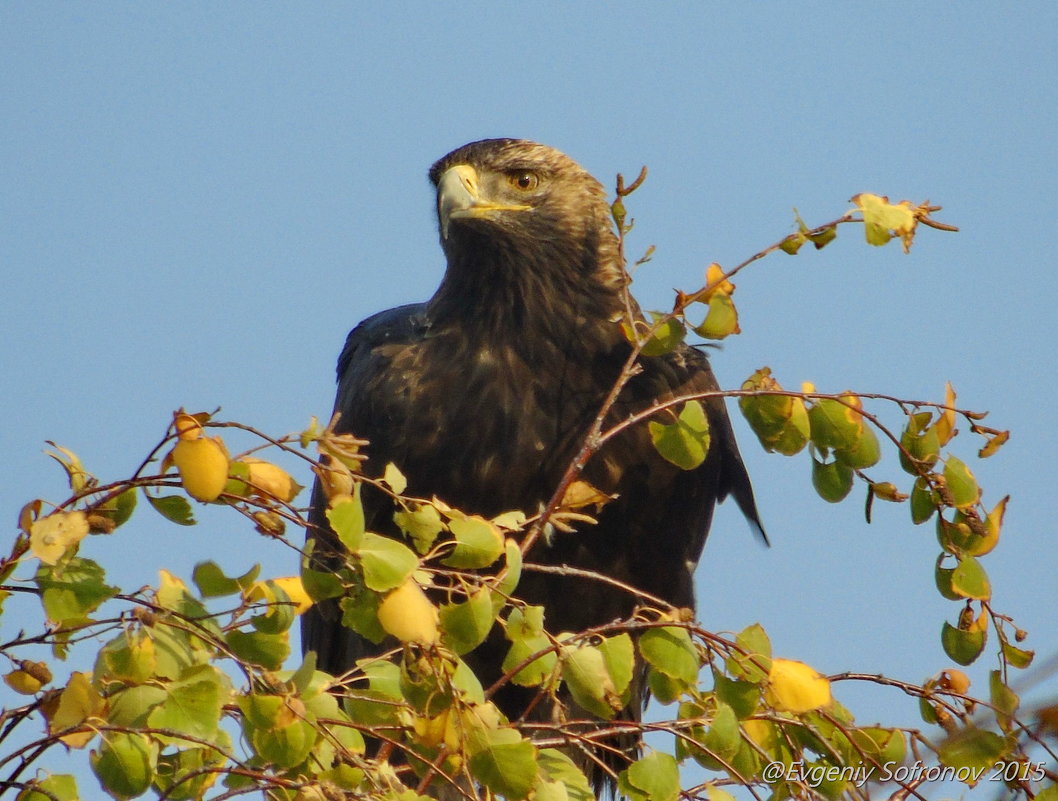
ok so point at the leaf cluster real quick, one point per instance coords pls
(190, 696)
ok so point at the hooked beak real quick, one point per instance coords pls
(459, 197)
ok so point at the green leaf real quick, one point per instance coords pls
(185, 775)
(478, 543)
(794, 435)
(279, 728)
(465, 682)
(119, 509)
(57, 787)
(665, 339)
(506, 586)
(125, 764)
(835, 425)
(130, 707)
(588, 680)
(684, 442)
(307, 676)
(360, 613)
(654, 777)
(824, 236)
(347, 520)
(526, 633)
(920, 440)
(923, 501)
(213, 583)
(722, 740)
(954, 535)
(128, 658)
(833, 481)
(174, 595)
(721, 320)
(663, 689)
(238, 480)
(72, 591)
(1005, 701)
(619, 654)
(741, 696)
(192, 705)
(714, 793)
(386, 563)
(258, 648)
(422, 523)
(793, 243)
(1017, 657)
(558, 767)
(467, 624)
(753, 661)
(173, 508)
(671, 651)
(176, 649)
(280, 614)
(506, 764)
(779, 421)
(379, 703)
(864, 453)
(927, 712)
(962, 647)
(972, 749)
(1049, 793)
(942, 578)
(961, 483)
(319, 584)
(878, 744)
(969, 580)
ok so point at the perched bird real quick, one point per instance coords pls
(483, 395)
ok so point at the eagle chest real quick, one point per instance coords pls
(482, 427)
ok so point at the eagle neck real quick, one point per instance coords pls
(534, 298)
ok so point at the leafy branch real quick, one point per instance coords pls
(184, 665)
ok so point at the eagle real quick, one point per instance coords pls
(483, 395)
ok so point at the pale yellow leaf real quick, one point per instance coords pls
(51, 536)
(795, 687)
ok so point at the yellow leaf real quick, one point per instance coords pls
(883, 220)
(396, 479)
(807, 387)
(721, 320)
(335, 478)
(70, 462)
(203, 466)
(716, 282)
(993, 525)
(994, 444)
(954, 680)
(580, 494)
(796, 687)
(291, 585)
(23, 682)
(271, 481)
(78, 702)
(171, 589)
(51, 536)
(408, 615)
(945, 425)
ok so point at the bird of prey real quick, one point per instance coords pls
(483, 394)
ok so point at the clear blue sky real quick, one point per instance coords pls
(198, 200)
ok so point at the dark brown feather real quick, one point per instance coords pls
(482, 397)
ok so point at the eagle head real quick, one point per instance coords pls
(514, 213)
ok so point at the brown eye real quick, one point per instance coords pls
(524, 180)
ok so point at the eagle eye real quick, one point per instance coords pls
(523, 180)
